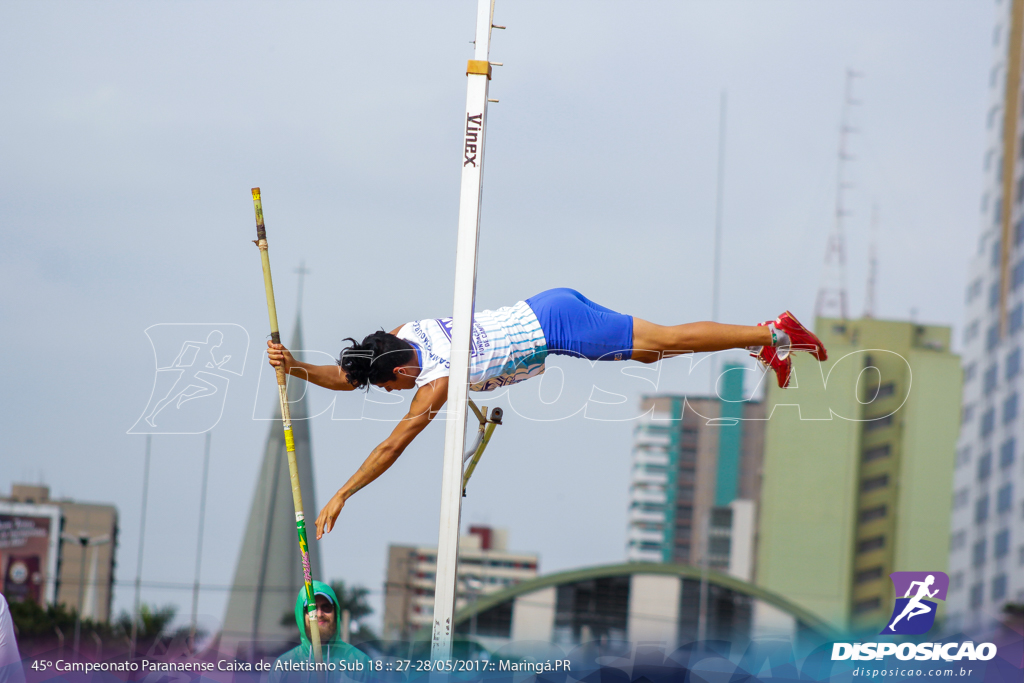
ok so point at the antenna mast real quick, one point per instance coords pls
(832, 297)
(869, 296)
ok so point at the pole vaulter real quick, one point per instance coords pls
(444, 358)
(286, 421)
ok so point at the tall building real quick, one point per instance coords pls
(857, 468)
(987, 536)
(696, 466)
(485, 566)
(43, 557)
(269, 570)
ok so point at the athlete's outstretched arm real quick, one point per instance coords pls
(428, 401)
(326, 376)
(910, 589)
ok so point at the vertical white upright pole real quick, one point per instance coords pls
(479, 73)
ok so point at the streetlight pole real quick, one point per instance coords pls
(141, 538)
(84, 542)
(702, 610)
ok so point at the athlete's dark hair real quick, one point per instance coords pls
(374, 361)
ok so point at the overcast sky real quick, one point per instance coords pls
(132, 133)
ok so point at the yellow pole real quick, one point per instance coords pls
(289, 440)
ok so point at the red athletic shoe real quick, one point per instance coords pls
(767, 356)
(801, 338)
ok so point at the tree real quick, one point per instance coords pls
(41, 625)
(354, 600)
(152, 623)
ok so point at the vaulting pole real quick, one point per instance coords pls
(286, 418)
(478, 73)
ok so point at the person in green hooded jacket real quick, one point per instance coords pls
(289, 667)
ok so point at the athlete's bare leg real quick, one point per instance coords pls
(653, 342)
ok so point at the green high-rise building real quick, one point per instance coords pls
(858, 467)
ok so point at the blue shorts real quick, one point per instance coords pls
(574, 325)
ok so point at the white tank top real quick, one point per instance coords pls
(508, 346)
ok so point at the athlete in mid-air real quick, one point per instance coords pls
(915, 607)
(510, 345)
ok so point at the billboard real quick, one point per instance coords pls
(29, 548)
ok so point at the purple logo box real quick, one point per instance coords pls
(901, 582)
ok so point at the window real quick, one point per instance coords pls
(992, 337)
(718, 545)
(977, 595)
(991, 120)
(1010, 409)
(887, 389)
(970, 371)
(984, 466)
(868, 605)
(981, 509)
(993, 295)
(1013, 364)
(1018, 233)
(991, 379)
(868, 575)
(869, 544)
(973, 289)
(1006, 452)
(957, 540)
(971, 331)
(1004, 498)
(877, 423)
(721, 518)
(967, 413)
(960, 498)
(988, 422)
(1017, 278)
(963, 456)
(1016, 319)
(1001, 546)
(877, 453)
(999, 587)
(956, 581)
(978, 552)
(997, 215)
(871, 514)
(874, 483)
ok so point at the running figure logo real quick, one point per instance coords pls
(193, 364)
(914, 613)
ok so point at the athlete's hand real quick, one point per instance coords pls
(278, 355)
(325, 520)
